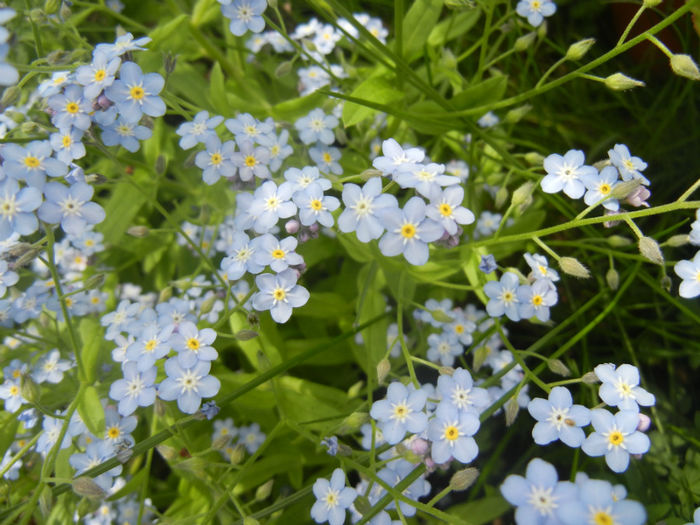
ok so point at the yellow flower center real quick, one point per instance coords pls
(451, 433)
(16, 374)
(137, 92)
(100, 75)
(278, 254)
(193, 343)
(250, 161)
(67, 141)
(316, 205)
(445, 209)
(31, 162)
(72, 108)
(408, 231)
(459, 328)
(150, 345)
(537, 300)
(327, 157)
(216, 158)
(604, 188)
(616, 438)
(113, 432)
(603, 518)
(279, 294)
(14, 390)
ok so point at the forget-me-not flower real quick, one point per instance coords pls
(620, 387)
(70, 206)
(616, 437)
(503, 297)
(193, 345)
(270, 204)
(600, 186)
(50, 368)
(689, 271)
(446, 208)
(135, 389)
(316, 126)
(396, 160)
(314, 206)
(279, 294)
(217, 160)
(199, 130)
(458, 390)
(251, 160)
(135, 93)
(97, 75)
(536, 299)
(565, 173)
(451, 432)
(332, 499)
(597, 501)
(241, 257)
(126, 134)
(32, 163)
(16, 207)
(277, 254)
(71, 108)
(188, 385)
(630, 167)
(535, 10)
(399, 412)
(245, 15)
(326, 158)
(67, 144)
(558, 418)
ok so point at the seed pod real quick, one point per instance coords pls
(573, 267)
(578, 49)
(620, 82)
(685, 66)
(612, 278)
(85, 486)
(649, 248)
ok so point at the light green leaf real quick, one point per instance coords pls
(91, 338)
(162, 32)
(490, 90)
(120, 210)
(217, 90)
(481, 511)
(8, 429)
(91, 411)
(453, 27)
(373, 89)
(417, 26)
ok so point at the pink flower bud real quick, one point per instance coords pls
(292, 226)
(644, 422)
(419, 446)
(638, 197)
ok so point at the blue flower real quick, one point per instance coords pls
(535, 10)
(331, 444)
(251, 160)
(217, 160)
(241, 257)
(409, 231)
(558, 418)
(10, 392)
(316, 126)
(123, 44)
(51, 368)
(70, 206)
(536, 299)
(396, 472)
(630, 167)
(251, 437)
(487, 264)
(152, 344)
(270, 204)
(118, 320)
(32, 163)
(279, 255)
(67, 144)
(400, 412)
(427, 179)
(135, 389)
(540, 267)
(118, 429)
(193, 345)
(199, 130)
(135, 93)
(459, 391)
(597, 501)
(7, 277)
(209, 410)
(446, 208)
(539, 495)
(503, 297)
(95, 454)
(16, 207)
(71, 108)
(600, 186)
(332, 499)
(488, 223)
(689, 271)
(49, 437)
(125, 133)
(314, 206)
(565, 173)
(188, 385)
(247, 127)
(461, 328)
(245, 15)
(278, 148)
(616, 437)
(620, 388)
(300, 179)
(8, 74)
(443, 348)
(451, 432)
(279, 294)
(326, 158)
(396, 160)
(97, 75)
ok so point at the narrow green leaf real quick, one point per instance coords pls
(162, 32)
(374, 89)
(120, 210)
(417, 26)
(454, 27)
(91, 411)
(91, 337)
(490, 90)
(8, 429)
(217, 90)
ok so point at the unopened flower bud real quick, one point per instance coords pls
(620, 82)
(534, 159)
(221, 442)
(292, 226)
(685, 66)
(623, 189)
(578, 49)
(511, 410)
(362, 504)
(480, 356)
(649, 248)
(651, 3)
(36, 15)
(558, 367)
(237, 454)
(638, 197)
(666, 283)
(165, 294)
(27, 257)
(501, 197)
(383, 369)
(96, 281)
(644, 422)
(353, 422)
(208, 304)
(463, 479)
(573, 267)
(590, 378)
(138, 231)
(168, 453)
(542, 29)
(356, 389)
(420, 446)
(523, 194)
(678, 240)
(160, 164)
(264, 490)
(368, 174)
(515, 115)
(618, 241)
(245, 335)
(29, 389)
(10, 96)
(612, 278)
(85, 486)
(169, 63)
(440, 316)
(525, 41)
(52, 6)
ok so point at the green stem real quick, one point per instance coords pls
(630, 25)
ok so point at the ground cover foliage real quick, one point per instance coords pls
(421, 261)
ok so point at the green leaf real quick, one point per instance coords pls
(91, 338)
(91, 411)
(490, 90)
(8, 429)
(320, 303)
(450, 28)
(162, 32)
(120, 210)
(432, 118)
(134, 484)
(417, 26)
(373, 89)
(217, 90)
(371, 303)
(293, 109)
(481, 511)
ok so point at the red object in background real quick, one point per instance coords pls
(646, 51)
